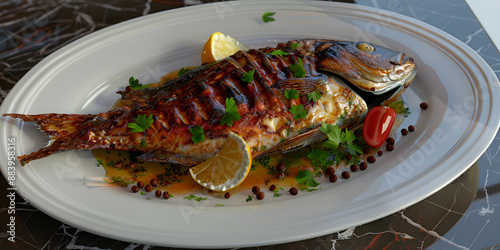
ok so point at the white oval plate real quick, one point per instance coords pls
(461, 89)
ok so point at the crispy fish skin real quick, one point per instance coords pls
(198, 98)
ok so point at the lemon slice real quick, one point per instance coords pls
(220, 46)
(228, 168)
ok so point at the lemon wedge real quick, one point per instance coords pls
(228, 168)
(220, 46)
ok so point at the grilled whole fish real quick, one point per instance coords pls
(267, 123)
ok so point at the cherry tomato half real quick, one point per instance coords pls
(377, 125)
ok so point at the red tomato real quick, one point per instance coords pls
(377, 125)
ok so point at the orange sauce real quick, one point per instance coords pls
(176, 179)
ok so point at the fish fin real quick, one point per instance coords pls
(170, 157)
(56, 125)
(296, 142)
(303, 86)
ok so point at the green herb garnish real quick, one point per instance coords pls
(298, 68)
(399, 107)
(249, 198)
(141, 123)
(231, 114)
(198, 134)
(306, 178)
(291, 94)
(295, 46)
(337, 137)
(276, 194)
(309, 189)
(298, 111)
(248, 76)
(134, 84)
(182, 71)
(314, 96)
(267, 17)
(117, 180)
(319, 157)
(99, 163)
(279, 52)
(194, 197)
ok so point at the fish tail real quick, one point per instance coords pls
(55, 125)
(59, 128)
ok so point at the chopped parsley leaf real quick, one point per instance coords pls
(298, 111)
(248, 76)
(298, 68)
(279, 52)
(134, 84)
(194, 197)
(117, 180)
(319, 157)
(231, 114)
(198, 134)
(306, 178)
(314, 96)
(182, 71)
(267, 17)
(338, 138)
(141, 123)
(291, 94)
(100, 163)
(276, 194)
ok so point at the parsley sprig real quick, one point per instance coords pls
(340, 139)
(267, 17)
(291, 94)
(320, 158)
(198, 134)
(306, 178)
(134, 84)
(182, 71)
(314, 96)
(248, 76)
(279, 52)
(298, 68)
(141, 123)
(298, 111)
(194, 197)
(231, 115)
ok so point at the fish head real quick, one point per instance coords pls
(376, 73)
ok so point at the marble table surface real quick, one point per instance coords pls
(463, 215)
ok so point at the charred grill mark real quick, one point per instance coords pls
(209, 99)
(266, 63)
(251, 63)
(255, 96)
(231, 90)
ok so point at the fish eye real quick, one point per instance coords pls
(365, 47)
